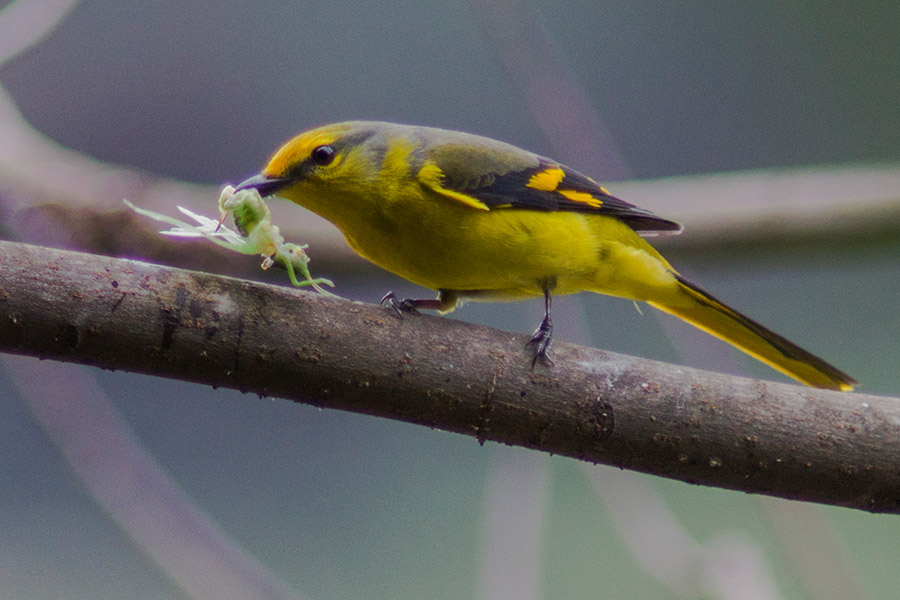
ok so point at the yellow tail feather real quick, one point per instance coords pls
(712, 316)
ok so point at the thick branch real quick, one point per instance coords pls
(692, 425)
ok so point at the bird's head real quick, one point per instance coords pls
(333, 164)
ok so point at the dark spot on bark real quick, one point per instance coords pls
(68, 337)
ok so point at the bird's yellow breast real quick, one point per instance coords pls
(502, 253)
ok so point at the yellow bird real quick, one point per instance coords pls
(479, 219)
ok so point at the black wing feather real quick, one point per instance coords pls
(511, 190)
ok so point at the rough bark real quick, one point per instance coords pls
(700, 427)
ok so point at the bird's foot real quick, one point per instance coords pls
(410, 305)
(540, 343)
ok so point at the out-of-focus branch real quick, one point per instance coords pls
(24, 23)
(692, 425)
(135, 491)
(836, 204)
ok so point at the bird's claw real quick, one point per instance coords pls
(540, 342)
(399, 306)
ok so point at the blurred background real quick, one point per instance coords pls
(284, 500)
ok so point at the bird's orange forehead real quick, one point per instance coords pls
(298, 150)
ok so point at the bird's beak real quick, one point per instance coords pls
(266, 186)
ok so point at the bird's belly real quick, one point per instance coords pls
(501, 253)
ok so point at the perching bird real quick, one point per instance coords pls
(479, 219)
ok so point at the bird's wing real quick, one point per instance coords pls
(505, 177)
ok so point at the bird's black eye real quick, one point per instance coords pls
(323, 155)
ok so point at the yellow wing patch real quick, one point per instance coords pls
(546, 180)
(549, 179)
(431, 176)
(583, 197)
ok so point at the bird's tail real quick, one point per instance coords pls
(712, 316)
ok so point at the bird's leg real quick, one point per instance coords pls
(444, 302)
(543, 336)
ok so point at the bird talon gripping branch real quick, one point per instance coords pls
(399, 306)
(479, 219)
(540, 343)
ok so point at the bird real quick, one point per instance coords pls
(477, 219)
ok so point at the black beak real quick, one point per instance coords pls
(266, 186)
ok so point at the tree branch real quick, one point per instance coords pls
(700, 427)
